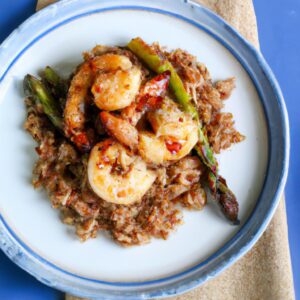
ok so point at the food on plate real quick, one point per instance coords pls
(130, 139)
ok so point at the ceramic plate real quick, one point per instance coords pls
(31, 232)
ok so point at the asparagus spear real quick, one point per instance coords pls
(58, 86)
(40, 92)
(156, 62)
(227, 201)
(51, 76)
(56, 81)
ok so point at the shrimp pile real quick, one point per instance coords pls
(122, 159)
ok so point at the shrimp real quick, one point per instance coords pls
(117, 89)
(125, 133)
(74, 110)
(158, 150)
(116, 175)
(175, 133)
(114, 82)
(170, 120)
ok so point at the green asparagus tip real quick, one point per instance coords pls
(40, 92)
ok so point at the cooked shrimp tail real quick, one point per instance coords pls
(82, 141)
(120, 129)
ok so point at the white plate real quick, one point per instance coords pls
(31, 232)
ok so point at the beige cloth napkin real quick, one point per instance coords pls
(264, 273)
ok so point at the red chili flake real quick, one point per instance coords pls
(160, 83)
(148, 103)
(165, 75)
(141, 103)
(173, 147)
(82, 142)
(180, 119)
(97, 89)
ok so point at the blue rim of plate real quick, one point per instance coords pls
(26, 258)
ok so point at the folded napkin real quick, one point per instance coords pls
(265, 271)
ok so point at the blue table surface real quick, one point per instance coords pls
(280, 44)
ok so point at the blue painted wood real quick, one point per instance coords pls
(280, 44)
